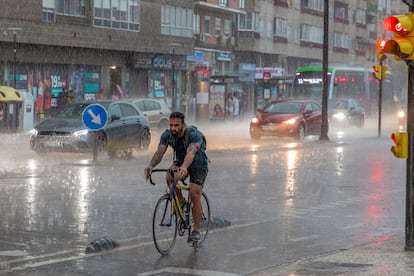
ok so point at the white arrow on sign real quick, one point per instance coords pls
(95, 118)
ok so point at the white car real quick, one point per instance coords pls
(156, 111)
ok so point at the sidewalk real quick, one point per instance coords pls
(385, 256)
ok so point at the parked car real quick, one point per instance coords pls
(289, 118)
(346, 112)
(157, 112)
(125, 129)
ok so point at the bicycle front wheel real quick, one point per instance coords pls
(164, 225)
(205, 219)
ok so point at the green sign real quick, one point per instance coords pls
(224, 56)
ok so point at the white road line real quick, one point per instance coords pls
(250, 250)
(304, 238)
(187, 271)
(353, 226)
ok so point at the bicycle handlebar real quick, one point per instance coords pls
(171, 171)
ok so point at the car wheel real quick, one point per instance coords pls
(301, 133)
(361, 122)
(145, 140)
(101, 142)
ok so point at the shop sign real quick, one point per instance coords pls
(224, 56)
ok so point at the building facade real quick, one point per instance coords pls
(189, 53)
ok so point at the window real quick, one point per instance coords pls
(313, 4)
(196, 20)
(227, 27)
(341, 40)
(176, 21)
(223, 3)
(71, 7)
(341, 12)
(117, 14)
(242, 4)
(280, 26)
(313, 34)
(48, 10)
(249, 21)
(206, 24)
(360, 17)
(218, 27)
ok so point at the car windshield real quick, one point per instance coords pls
(73, 111)
(283, 107)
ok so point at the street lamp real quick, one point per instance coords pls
(174, 101)
(14, 31)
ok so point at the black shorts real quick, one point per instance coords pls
(198, 175)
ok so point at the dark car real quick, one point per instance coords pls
(125, 129)
(346, 112)
(287, 118)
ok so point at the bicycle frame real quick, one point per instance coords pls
(176, 205)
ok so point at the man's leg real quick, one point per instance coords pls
(195, 194)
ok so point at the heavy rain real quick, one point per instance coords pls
(87, 90)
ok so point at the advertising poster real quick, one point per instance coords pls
(217, 100)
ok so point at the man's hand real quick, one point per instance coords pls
(182, 172)
(147, 172)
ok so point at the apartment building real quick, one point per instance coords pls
(174, 49)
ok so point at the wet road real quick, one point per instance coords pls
(285, 201)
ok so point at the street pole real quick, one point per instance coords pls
(409, 196)
(14, 31)
(174, 100)
(14, 58)
(380, 94)
(324, 127)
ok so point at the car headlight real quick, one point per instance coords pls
(339, 116)
(291, 121)
(33, 132)
(80, 133)
(255, 120)
(401, 114)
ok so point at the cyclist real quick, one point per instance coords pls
(190, 159)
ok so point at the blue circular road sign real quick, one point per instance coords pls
(94, 116)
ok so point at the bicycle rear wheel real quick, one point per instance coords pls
(164, 225)
(205, 219)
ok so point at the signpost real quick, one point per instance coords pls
(94, 117)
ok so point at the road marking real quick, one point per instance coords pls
(305, 238)
(353, 226)
(250, 250)
(187, 271)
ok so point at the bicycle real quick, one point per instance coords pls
(170, 217)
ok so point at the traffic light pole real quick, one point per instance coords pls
(409, 212)
(409, 202)
(380, 95)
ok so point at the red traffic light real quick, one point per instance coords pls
(400, 24)
(394, 138)
(393, 24)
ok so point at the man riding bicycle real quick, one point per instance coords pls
(189, 159)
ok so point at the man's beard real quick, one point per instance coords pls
(176, 133)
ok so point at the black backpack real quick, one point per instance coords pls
(187, 137)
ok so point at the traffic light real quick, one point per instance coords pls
(377, 71)
(400, 140)
(402, 46)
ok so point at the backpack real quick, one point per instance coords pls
(186, 140)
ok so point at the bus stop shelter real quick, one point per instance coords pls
(10, 104)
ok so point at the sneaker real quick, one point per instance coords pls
(195, 235)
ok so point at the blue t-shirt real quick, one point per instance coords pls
(194, 136)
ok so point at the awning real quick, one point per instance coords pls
(9, 94)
